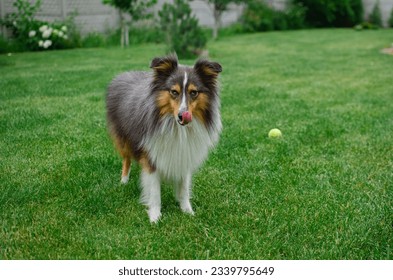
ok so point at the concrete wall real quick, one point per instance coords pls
(205, 15)
(386, 7)
(93, 16)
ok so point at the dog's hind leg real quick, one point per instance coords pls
(183, 194)
(126, 153)
(125, 173)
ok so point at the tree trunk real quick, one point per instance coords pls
(126, 33)
(217, 22)
(121, 28)
(124, 40)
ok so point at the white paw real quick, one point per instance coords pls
(186, 207)
(154, 214)
(124, 179)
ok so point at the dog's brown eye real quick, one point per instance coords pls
(174, 93)
(194, 94)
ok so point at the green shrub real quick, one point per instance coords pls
(31, 34)
(365, 26)
(137, 35)
(332, 13)
(145, 34)
(182, 31)
(94, 40)
(296, 16)
(74, 36)
(375, 16)
(230, 30)
(4, 45)
(259, 16)
(280, 21)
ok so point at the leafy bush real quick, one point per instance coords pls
(230, 30)
(375, 17)
(296, 16)
(181, 29)
(32, 34)
(137, 35)
(365, 26)
(74, 35)
(332, 13)
(94, 40)
(279, 20)
(4, 45)
(145, 34)
(259, 16)
(20, 22)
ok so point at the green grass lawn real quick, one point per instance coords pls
(323, 191)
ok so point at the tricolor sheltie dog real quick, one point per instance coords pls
(167, 120)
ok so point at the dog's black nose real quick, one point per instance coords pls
(180, 116)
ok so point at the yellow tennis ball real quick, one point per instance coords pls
(275, 133)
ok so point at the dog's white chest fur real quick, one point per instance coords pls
(177, 151)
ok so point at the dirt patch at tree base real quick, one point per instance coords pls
(387, 51)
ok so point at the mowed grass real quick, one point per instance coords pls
(322, 191)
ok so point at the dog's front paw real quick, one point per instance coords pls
(154, 214)
(186, 207)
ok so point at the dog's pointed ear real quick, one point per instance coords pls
(208, 71)
(207, 68)
(164, 66)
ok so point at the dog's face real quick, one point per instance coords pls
(185, 92)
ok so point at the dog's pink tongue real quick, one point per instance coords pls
(187, 118)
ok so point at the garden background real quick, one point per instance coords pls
(94, 16)
(321, 191)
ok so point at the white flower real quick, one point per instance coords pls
(61, 34)
(32, 33)
(47, 44)
(56, 32)
(64, 28)
(14, 23)
(40, 43)
(43, 28)
(65, 37)
(47, 33)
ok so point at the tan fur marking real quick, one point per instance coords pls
(175, 108)
(126, 167)
(122, 146)
(125, 151)
(164, 103)
(164, 66)
(176, 87)
(145, 163)
(199, 105)
(192, 87)
(208, 71)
